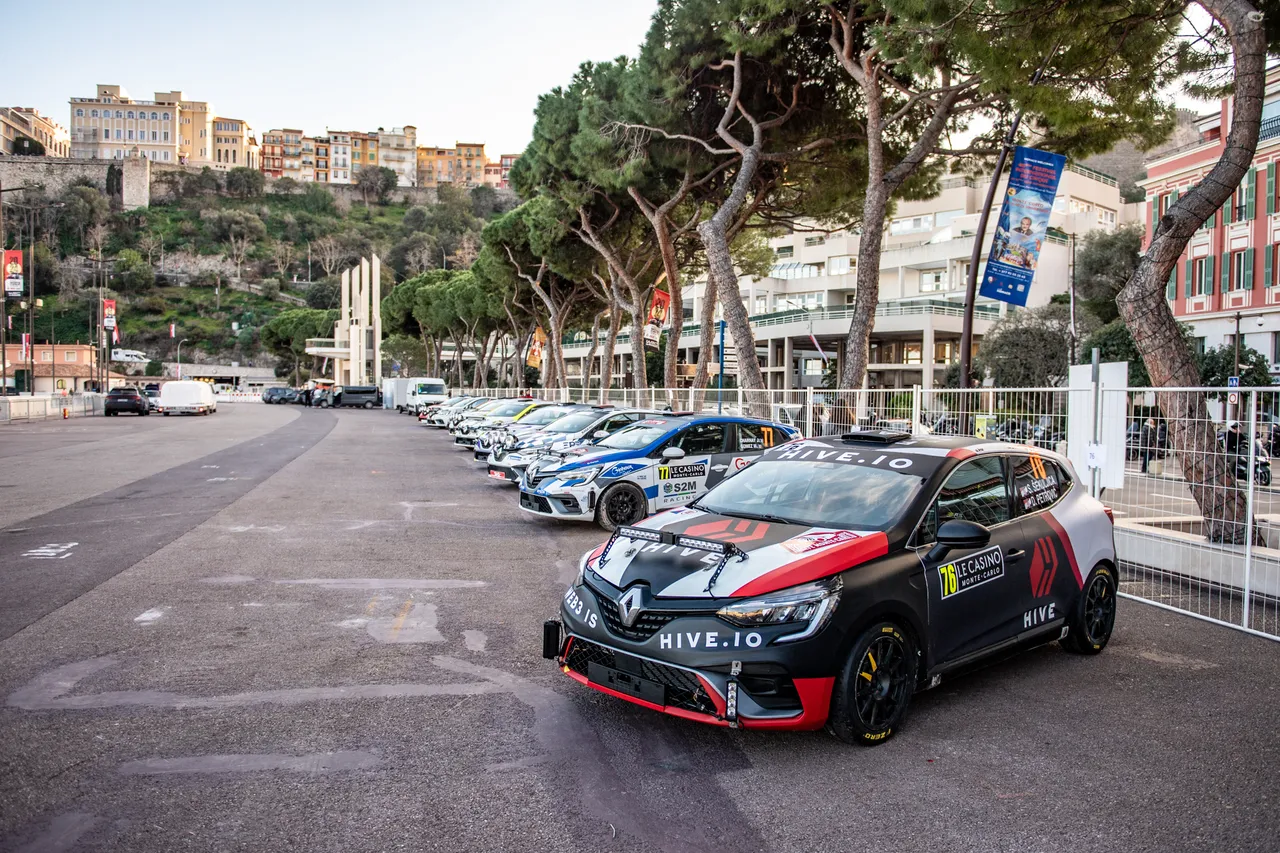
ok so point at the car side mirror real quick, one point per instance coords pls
(672, 453)
(600, 433)
(958, 533)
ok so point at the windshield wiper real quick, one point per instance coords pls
(754, 516)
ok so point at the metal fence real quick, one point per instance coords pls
(1184, 548)
(14, 409)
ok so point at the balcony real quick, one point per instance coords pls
(328, 347)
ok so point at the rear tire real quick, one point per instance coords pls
(368, 405)
(875, 686)
(1094, 616)
(1264, 477)
(621, 504)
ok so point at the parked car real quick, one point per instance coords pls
(831, 579)
(275, 395)
(153, 398)
(352, 397)
(126, 400)
(559, 439)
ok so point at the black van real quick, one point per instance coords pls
(355, 396)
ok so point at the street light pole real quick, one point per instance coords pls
(1235, 340)
(180, 343)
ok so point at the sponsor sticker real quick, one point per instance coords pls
(622, 469)
(740, 462)
(1040, 615)
(813, 541)
(972, 571)
(498, 475)
(675, 472)
(709, 640)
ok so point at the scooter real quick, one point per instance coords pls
(1261, 466)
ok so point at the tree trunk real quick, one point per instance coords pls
(606, 360)
(591, 353)
(706, 345)
(1146, 312)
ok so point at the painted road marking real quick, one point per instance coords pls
(52, 551)
(475, 641)
(320, 762)
(149, 616)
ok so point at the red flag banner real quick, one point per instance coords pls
(108, 313)
(658, 310)
(13, 281)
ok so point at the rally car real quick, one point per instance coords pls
(558, 440)
(532, 422)
(660, 462)
(831, 579)
(465, 430)
(430, 414)
(445, 416)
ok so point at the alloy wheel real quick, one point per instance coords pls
(883, 683)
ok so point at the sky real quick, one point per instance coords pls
(469, 71)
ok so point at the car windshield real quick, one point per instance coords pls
(508, 408)
(816, 494)
(487, 406)
(575, 422)
(543, 416)
(430, 388)
(636, 436)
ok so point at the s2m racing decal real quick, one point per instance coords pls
(974, 570)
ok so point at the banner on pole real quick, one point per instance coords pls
(658, 310)
(26, 347)
(108, 313)
(536, 346)
(173, 330)
(13, 281)
(1024, 219)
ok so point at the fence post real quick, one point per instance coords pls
(1248, 505)
(739, 390)
(915, 410)
(808, 412)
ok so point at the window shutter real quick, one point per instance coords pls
(1249, 281)
(1251, 194)
(1206, 286)
(1226, 273)
(1266, 265)
(1226, 210)
(1171, 289)
(1155, 213)
(1189, 287)
(1271, 187)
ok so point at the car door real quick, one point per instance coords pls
(1046, 581)
(746, 442)
(679, 481)
(974, 593)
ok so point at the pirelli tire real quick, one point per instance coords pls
(1092, 620)
(620, 504)
(874, 688)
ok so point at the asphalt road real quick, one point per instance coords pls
(336, 646)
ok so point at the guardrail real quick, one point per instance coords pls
(40, 408)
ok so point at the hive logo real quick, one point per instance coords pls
(730, 530)
(1044, 565)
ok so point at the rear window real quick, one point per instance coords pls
(122, 392)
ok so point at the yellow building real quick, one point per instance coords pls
(195, 129)
(463, 165)
(234, 144)
(364, 152)
(19, 122)
(112, 125)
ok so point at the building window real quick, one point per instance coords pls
(130, 134)
(840, 264)
(118, 133)
(166, 156)
(129, 114)
(93, 113)
(911, 224)
(911, 353)
(164, 116)
(165, 136)
(1200, 276)
(815, 241)
(933, 280)
(946, 217)
(79, 112)
(106, 134)
(69, 355)
(47, 355)
(1241, 271)
(1198, 343)
(785, 251)
(1106, 217)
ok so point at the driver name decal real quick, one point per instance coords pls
(974, 570)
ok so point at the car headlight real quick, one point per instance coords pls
(510, 440)
(809, 606)
(582, 568)
(586, 475)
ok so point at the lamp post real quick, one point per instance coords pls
(4, 302)
(180, 343)
(33, 303)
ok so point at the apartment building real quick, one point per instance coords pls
(273, 153)
(321, 172)
(195, 129)
(506, 161)
(398, 151)
(463, 165)
(492, 175)
(364, 152)
(340, 157)
(801, 311)
(111, 126)
(1228, 279)
(18, 124)
(234, 144)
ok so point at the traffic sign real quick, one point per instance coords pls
(1233, 381)
(1233, 398)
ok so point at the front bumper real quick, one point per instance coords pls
(572, 503)
(682, 663)
(503, 473)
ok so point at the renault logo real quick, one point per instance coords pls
(629, 606)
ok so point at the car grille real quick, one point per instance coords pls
(536, 480)
(648, 624)
(535, 502)
(684, 690)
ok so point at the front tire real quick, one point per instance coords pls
(1264, 477)
(621, 504)
(368, 405)
(874, 687)
(1094, 617)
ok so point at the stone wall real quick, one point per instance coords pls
(56, 174)
(344, 194)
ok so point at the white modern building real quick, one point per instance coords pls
(810, 291)
(398, 151)
(353, 356)
(111, 126)
(339, 156)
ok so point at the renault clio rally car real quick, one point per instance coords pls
(574, 431)
(660, 462)
(464, 432)
(828, 581)
(531, 422)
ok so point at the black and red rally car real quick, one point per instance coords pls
(832, 578)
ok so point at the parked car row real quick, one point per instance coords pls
(340, 396)
(757, 579)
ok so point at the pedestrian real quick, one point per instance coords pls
(1233, 439)
(1147, 443)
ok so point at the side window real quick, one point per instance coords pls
(1037, 483)
(975, 491)
(701, 439)
(757, 437)
(616, 423)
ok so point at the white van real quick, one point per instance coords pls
(187, 397)
(423, 391)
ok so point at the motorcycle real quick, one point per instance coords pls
(1261, 465)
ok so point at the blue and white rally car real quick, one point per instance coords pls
(658, 463)
(569, 436)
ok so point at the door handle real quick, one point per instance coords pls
(1014, 555)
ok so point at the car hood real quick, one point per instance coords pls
(587, 455)
(777, 555)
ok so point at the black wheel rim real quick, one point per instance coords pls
(882, 684)
(1099, 609)
(622, 507)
